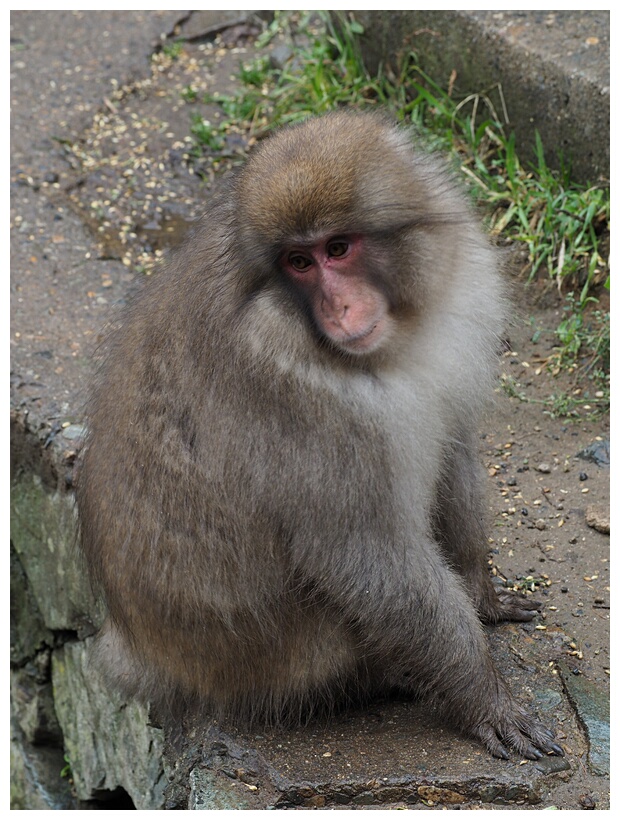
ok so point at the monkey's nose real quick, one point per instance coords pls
(334, 309)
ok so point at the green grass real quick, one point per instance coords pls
(173, 50)
(576, 404)
(565, 227)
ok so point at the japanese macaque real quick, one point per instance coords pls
(279, 496)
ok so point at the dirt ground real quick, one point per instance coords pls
(550, 507)
(549, 501)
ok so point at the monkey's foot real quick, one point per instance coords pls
(506, 605)
(517, 607)
(520, 732)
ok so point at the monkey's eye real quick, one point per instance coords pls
(299, 262)
(337, 247)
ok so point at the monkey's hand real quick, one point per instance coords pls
(518, 730)
(507, 605)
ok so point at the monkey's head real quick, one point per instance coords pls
(335, 210)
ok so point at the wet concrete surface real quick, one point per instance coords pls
(67, 277)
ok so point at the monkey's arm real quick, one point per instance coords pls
(394, 598)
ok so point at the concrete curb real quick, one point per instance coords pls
(553, 68)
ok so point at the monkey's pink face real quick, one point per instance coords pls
(346, 306)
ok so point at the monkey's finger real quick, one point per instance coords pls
(543, 739)
(536, 749)
(486, 733)
(529, 726)
(538, 734)
(520, 743)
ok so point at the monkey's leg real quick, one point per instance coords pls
(416, 622)
(460, 530)
(113, 657)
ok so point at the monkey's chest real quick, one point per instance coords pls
(372, 455)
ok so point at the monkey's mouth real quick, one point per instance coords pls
(365, 341)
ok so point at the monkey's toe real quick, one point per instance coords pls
(513, 606)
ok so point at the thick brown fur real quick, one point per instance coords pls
(273, 520)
